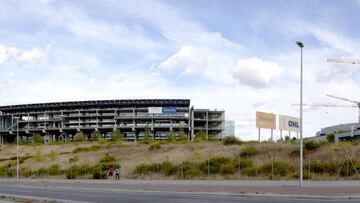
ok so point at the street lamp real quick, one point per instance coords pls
(17, 148)
(301, 45)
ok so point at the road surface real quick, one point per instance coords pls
(182, 191)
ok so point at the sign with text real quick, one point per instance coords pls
(289, 123)
(155, 110)
(265, 120)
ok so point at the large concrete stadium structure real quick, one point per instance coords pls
(60, 121)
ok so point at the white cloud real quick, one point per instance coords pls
(3, 54)
(256, 72)
(35, 55)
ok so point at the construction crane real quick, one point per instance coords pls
(351, 61)
(355, 104)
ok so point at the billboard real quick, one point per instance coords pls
(169, 110)
(156, 110)
(289, 123)
(265, 120)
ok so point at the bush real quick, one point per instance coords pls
(54, 169)
(37, 138)
(95, 135)
(182, 136)
(106, 166)
(99, 175)
(311, 145)
(215, 164)
(249, 151)
(200, 136)
(70, 175)
(73, 159)
(331, 137)
(294, 152)
(170, 136)
(228, 168)
(80, 136)
(145, 169)
(53, 155)
(117, 135)
(39, 156)
(107, 158)
(279, 168)
(154, 146)
(88, 149)
(229, 140)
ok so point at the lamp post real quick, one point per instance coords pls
(301, 45)
(17, 148)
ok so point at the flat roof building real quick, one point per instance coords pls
(60, 121)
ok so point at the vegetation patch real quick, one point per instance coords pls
(249, 151)
(154, 146)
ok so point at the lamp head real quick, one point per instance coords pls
(300, 44)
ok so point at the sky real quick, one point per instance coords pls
(239, 56)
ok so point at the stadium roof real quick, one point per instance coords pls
(95, 104)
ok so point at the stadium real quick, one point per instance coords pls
(62, 121)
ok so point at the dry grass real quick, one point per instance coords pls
(129, 155)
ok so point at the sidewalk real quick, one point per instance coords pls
(331, 189)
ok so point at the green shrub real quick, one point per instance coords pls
(80, 136)
(228, 168)
(154, 146)
(249, 171)
(182, 135)
(168, 168)
(230, 140)
(73, 159)
(54, 169)
(278, 168)
(146, 169)
(107, 158)
(95, 135)
(37, 138)
(331, 137)
(170, 136)
(53, 155)
(70, 175)
(295, 152)
(311, 145)
(99, 175)
(244, 163)
(38, 156)
(117, 136)
(106, 166)
(215, 164)
(88, 149)
(249, 151)
(200, 136)
(190, 170)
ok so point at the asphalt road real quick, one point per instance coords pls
(96, 195)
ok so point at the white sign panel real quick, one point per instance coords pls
(289, 123)
(156, 110)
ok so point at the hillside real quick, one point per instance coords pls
(212, 160)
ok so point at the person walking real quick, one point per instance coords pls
(117, 173)
(111, 172)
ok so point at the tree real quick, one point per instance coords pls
(37, 138)
(80, 136)
(95, 135)
(200, 136)
(147, 134)
(170, 136)
(331, 137)
(117, 135)
(182, 135)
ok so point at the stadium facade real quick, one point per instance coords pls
(61, 121)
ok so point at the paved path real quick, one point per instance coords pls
(95, 195)
(183, 190)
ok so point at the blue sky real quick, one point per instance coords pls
(239, 56)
